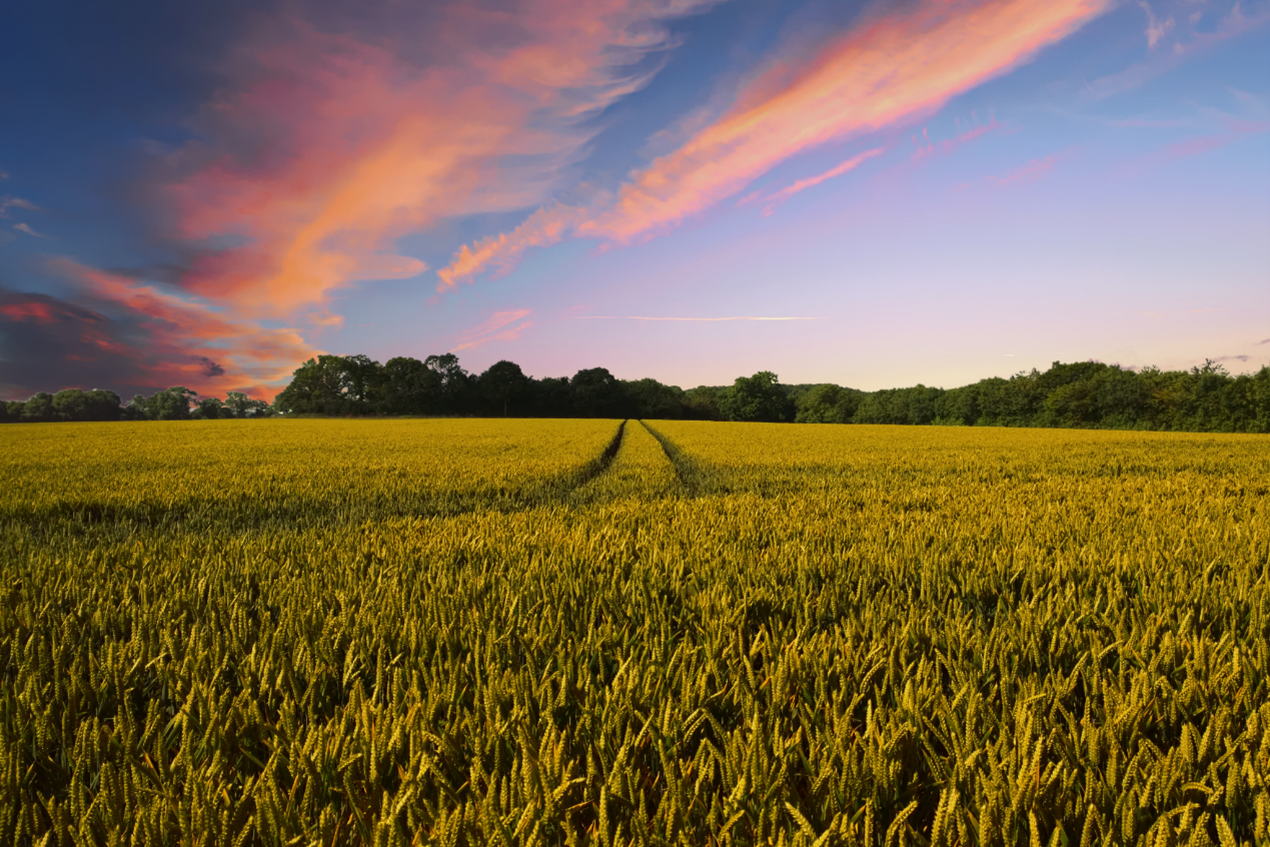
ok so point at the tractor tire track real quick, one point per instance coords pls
(686, 469)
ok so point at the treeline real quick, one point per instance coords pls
(1087, 395)
(173, 404)
(1083, 394)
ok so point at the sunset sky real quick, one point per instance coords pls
(871, 194)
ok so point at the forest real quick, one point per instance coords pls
(1089, 395)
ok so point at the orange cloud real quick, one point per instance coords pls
(893, 69)
(185, 340)
(330, 149)
(803, 184)
(543, 228)
(497, 327)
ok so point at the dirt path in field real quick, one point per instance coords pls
(685, 469)
(605, 460)
(637, 468)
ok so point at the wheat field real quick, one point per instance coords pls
(471, 632)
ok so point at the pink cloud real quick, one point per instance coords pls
(784, 194)
(324, 150)
(1156, 28)
(893, 69)
(497, 327)
(30, 311)
(691, 320)
(543, 228)
(186, 340)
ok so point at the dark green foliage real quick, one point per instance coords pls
(917, 405)
(827, 403)
(76, 405)
(1087, 395)
(596, 393)
(756, 398)
(504, 386)
(39, 409)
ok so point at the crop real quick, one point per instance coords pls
(489, 632)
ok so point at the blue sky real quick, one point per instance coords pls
(869, 194)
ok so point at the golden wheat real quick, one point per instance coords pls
(489, 632)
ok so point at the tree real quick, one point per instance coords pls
(137, 409)
(551, 397)
(960, 406)
(756, 398)
(827, 404)
(170, 405)
(652, 400)
(596, 393)
(409, 387)
(236, 405)
(39, 409)
(318, 387)
(502, 384)
(209, 409)
(454, 382)
(702, 403)
(70, 404)
(103, 405)
(363, 380)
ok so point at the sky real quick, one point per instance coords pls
(871, 194)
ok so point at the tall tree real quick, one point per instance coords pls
(503, 384)
(756, 398)
(454, 382)
(596, 393)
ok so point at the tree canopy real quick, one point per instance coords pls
(1079, 394)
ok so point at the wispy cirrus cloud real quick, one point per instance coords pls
(788, 191)
(892, 69)
(926, 147)
(692, 320)
(1229, 19)
(1031, 172)
(500, 326)
(1188, 147)
(26, 228)
(8, 202)
(498, 254)
(1156, 28)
